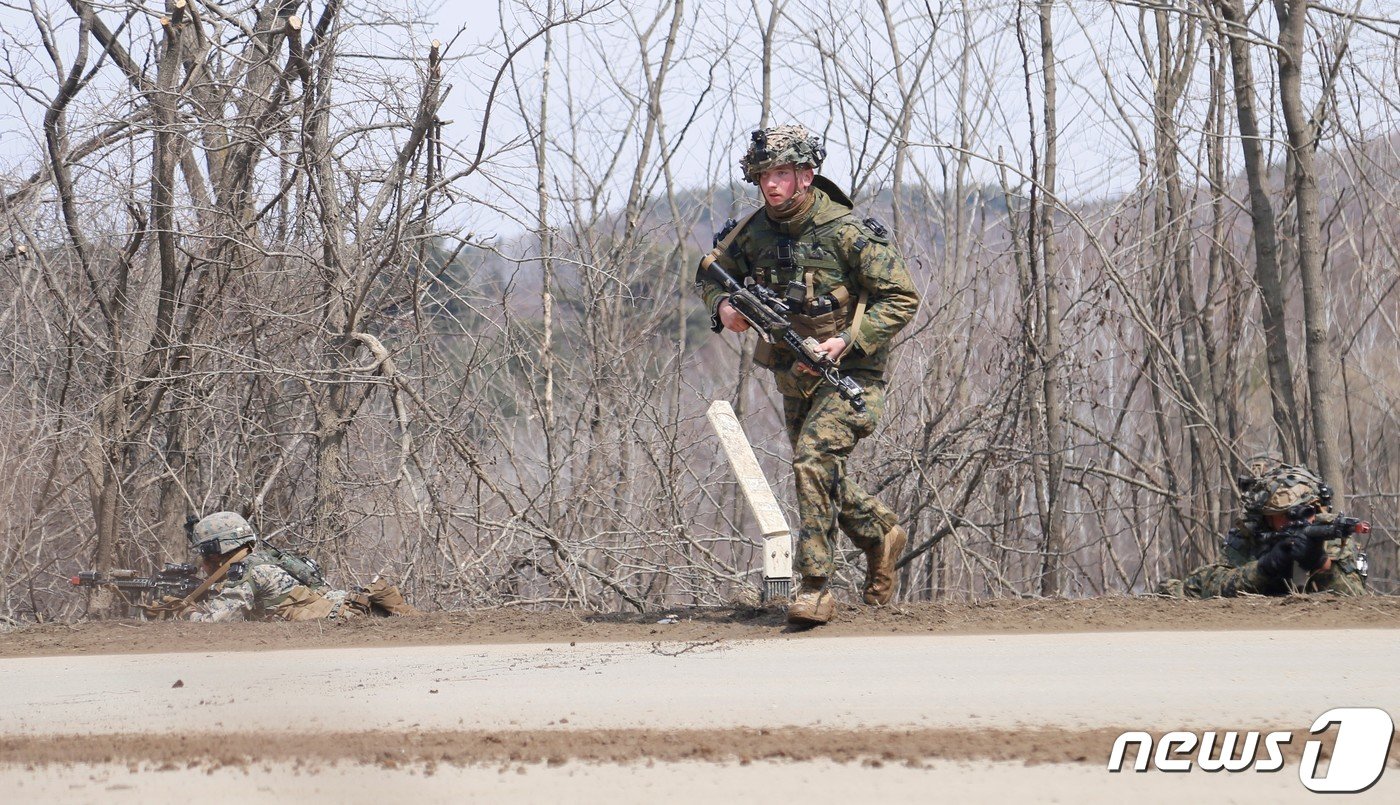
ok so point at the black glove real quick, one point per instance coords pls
(1308, 553)
(1277, 562)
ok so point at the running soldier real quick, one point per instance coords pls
(848, 289)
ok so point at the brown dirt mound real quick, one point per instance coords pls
(555, 747)
(508, 625)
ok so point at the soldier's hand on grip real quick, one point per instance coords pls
(832, 347)
(1308, 553)
(732, 319)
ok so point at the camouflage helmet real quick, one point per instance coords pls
(220, 533)
(1256, 468)
(781, 145)
(1286, 486)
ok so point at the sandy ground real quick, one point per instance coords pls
(724, 623)
(1009, 700)
(1067, 681)
(762, 783)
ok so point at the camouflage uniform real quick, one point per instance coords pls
(823, 430)
(1251, 539)
(258, 588)
(1228, 579)
(840, 261)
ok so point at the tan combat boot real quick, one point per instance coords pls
(880, 578)
(813, 603)
(387, 598)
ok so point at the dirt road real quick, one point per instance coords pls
(711, 706)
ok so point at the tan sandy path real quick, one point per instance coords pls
(1148, 680)
(672, 783)
(621, 706)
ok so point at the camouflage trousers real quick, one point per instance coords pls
(1223, 580)
(823, 430)
(379, 598)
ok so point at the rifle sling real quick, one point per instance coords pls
(727, 241)
(216, 576)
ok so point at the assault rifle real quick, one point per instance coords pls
(1300, 523)
(173, 580)
(768, 312)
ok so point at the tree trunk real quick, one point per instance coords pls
(1266, 269)
(546, 246)
(1323, 389)
(1053, 517)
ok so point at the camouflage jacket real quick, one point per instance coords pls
(256, 588)
(837, 250)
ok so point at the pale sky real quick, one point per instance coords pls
(596, 65)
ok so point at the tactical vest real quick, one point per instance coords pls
(801, 261)
(298, 596)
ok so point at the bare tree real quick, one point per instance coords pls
(1286, 416)
(421, 306)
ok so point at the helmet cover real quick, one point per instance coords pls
(1287, 486)
(221, 532)
(781, 145)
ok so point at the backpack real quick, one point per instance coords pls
(299, 566)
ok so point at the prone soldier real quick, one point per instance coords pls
(1288, 540)
(255, 581)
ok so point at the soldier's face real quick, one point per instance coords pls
(784, 183)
